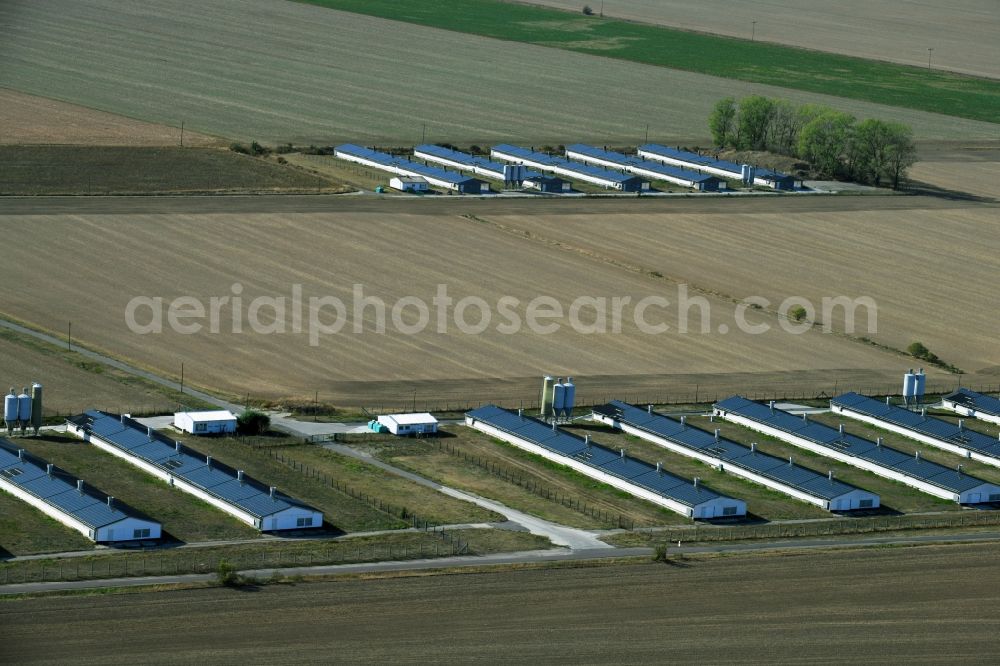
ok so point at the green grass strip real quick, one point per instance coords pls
(760, 62)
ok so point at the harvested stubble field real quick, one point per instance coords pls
(197, 256)
(909, 605)
(29, 119)
(905, 261)
(744, 59)
(49, 170)
(74, 384)
(963, 32)
(287, 71)
(183, 516)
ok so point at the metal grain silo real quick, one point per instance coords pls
(909, 385)
(546, 402)
(920, 384)
(10, 411)
(558, 398)
(36, 406)
(23, 409)
(570, 398)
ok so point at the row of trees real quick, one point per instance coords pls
(834, 142)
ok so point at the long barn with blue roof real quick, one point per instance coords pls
(972, 403)
(70, 501)
(615, 468)
(640, 167)
(615, 180)
(223, 487)
(909, 468)
(715, 166)
(744, 461)
(400, 165)
(920, 427)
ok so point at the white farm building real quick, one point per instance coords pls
(183, 468)
(638, 478)
(409, 424)
(69, 501)
(206, 423)
(409, 183)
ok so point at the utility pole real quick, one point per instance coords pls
(930, 51)
(423, 134)
(753, 30)
(182, 134)
(69, 336)
(602, 8)
(647, 134)
(182, 377)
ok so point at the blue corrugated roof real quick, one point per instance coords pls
(705, 160)
(419, 168)
(472, 162)
(980, 402)
(553, 161)
(733, 453)
(626, 161)
(600, 458)
(59, 489)
(918, 423)
(183, 463)
(852, 445)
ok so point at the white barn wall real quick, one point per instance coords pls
(47, 509)
(968, 411)
(836, 455)
(590, 159)
(917, 436)
(170, 479)
(714, 507)
(123, 530)
(741, 472)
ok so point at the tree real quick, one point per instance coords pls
(783, 127)
(252, 422)
(885, 150)
(824, 140)
(587, 11)
(722, 122)
(754, 121)
(902, 153)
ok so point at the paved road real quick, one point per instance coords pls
(560, 535)
(288, 203)
(524, 557)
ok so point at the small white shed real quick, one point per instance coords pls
(206, 423)
(409, 424)
(409, 184)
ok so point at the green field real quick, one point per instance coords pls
(46, 170)
(758, 62)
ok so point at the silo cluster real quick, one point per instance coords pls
(23, 410)
(914, 385)
(558, 398)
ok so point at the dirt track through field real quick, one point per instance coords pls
(891, 606)
(963, 33)
(285, 71)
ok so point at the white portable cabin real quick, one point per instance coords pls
(409, 183)
(206, 423)
(409, 424)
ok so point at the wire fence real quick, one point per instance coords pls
(692, 396)
(399, 512)
(437, 543)
(868, 525)
(609, 518)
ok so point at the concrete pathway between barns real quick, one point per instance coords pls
(560, 535)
